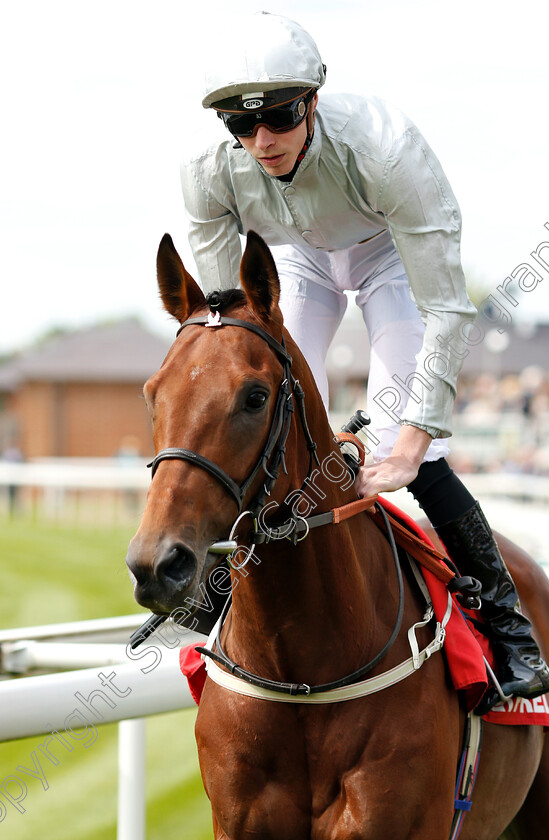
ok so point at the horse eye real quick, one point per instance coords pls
(256, 400)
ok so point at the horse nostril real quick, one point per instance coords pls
(177, 567)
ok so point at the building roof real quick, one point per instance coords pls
(523, 345)
(123, 351)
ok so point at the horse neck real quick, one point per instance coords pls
(288, 596)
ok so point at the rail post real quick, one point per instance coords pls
(131, 780)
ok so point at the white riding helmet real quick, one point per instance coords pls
(264, 53)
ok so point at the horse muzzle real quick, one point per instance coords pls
(162, 582)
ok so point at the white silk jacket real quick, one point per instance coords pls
(368, 170)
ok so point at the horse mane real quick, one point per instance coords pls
(222, 300)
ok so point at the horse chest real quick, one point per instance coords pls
(269, 773)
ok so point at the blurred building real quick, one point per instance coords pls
(523, 345)
(80, 394)
(501, 417)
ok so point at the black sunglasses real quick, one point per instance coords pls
(284, 118)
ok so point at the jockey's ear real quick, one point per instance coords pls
(180, 294)
(259, 276)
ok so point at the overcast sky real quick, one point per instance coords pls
(97, 99)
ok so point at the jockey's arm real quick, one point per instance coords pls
(425, 223)
(213, 231)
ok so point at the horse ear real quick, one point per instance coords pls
(179, 292)
(259, 276)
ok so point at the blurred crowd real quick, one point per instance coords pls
(526, 393)
(506, 422)
(501, 423)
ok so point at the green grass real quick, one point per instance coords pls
(52, 573)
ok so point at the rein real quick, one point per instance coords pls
(274, 451)
(294, 689)
(270, 460)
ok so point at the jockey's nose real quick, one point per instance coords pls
(264, 137)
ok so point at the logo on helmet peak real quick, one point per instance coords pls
(253, 103)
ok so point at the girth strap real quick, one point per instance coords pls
(467, 772)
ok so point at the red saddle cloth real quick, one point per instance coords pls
(464, 646)
(194, 668)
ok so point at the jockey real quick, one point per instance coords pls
(349, 196)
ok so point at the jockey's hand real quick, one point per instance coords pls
(390, 474)
(399, 469)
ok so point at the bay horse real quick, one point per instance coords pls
(306, 610)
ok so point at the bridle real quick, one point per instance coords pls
(272, 457)
(270, 460)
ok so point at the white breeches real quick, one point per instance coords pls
(313, 303)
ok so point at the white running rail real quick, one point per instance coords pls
(105, 683)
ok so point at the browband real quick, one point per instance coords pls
(208, 320)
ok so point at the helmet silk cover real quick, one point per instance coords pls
(264, 52)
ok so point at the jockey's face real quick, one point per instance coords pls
(277, 151)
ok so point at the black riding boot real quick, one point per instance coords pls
(470, 544)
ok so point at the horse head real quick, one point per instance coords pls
(221, 411)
